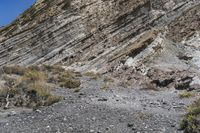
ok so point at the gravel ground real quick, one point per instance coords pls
(92, 110)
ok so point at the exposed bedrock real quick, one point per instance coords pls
(105, 35)
(80, 28)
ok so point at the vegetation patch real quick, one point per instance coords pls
(186, 94)
(191, 121)
(32, 86)
(107, 82)
(70, 83)
(93, 75)
(18, 70)
(105, 86)
(64, 78)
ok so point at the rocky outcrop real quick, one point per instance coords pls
(86, 31)
(106, 36)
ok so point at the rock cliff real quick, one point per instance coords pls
(95, 34)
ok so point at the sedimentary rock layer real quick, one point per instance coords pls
(89, 33)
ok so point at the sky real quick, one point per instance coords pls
(10, 9)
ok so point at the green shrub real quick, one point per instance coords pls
(191, 121)
(185, 95)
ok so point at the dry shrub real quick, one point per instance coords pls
(33, 75)
(29, 88)
(186, 94)
(18, 70)
(93, 75)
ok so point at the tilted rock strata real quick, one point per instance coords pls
(82, 31)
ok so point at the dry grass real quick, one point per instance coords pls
(105, 86)
(34, 75)
(70, 83)
(18, 70)
(40, 89)
(29, 87)
(3, 92)
(52, 99)
(93, 75)
(186, 94)
(68, 80)
(64, 78)
(107, 82)
(54, 68)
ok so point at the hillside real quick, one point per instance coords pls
(149, 48)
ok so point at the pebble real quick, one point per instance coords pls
(103, 99)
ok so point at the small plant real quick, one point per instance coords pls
(65, 75)
(185, 95)
(40, 89)
(93, 75)
(3, 92)
(105, 86)
(129, 83)
(54, 68)
(10, 80)
(70, 83)
(40, 94)
(108, 80)
(52, 99)
(18, 70)
(33, 75)
(195, 108)
(68, 80)
(191, 121)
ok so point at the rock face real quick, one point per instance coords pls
(91, 33)
(123, 36)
